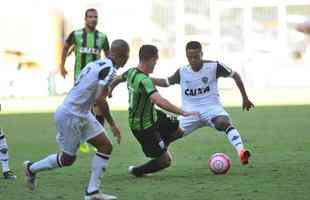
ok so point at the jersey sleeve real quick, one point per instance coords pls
(148, 86)
(106, 76)
(105, 44)
(175, 78)
(223, 71)
(125, 75)
(70, 39)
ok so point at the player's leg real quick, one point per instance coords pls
(98, 114)
(152, 166)
(153, 147)
(223, 123)
(68, 138)
(168, 127)
(95, 135)
(189, 124)
(4, 158)
(50, 162)
(84, 147)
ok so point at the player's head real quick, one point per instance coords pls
(194, 54)
(119, 52)
(91, 18)
(148, 56)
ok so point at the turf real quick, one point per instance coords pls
(278, 137)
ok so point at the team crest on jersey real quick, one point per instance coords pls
(204, 80)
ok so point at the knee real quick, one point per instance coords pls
(167, 163)
(222, 124)
(166, 160)
(67, 160)
(106, 148)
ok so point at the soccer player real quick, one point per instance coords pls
(4, 158)
(87, 44)
(199, 90)
(153, 129)
(75, 122)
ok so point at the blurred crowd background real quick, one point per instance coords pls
(257, 38)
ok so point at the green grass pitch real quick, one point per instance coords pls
(279, 138)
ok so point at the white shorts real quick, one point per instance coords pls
(191, 123)
(72, 130)
(3, 144)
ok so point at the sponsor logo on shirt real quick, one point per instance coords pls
(196, 91)
(88, 50)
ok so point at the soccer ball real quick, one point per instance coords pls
(219, 163)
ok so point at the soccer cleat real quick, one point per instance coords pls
(131, 171)
(30, 177)
(99, 196)
(84, 148)
(244, 156)
(9, 175)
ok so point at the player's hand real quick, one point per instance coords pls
(247, 104)
(116, 133)
(185, 113)
(63, 72)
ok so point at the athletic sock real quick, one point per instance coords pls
(98, 166)
(234, 138)
(48, 163)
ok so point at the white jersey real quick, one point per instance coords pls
(200, 89)
(81, 97)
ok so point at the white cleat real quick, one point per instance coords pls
(30, 178)
(9, 175)
(99, 196)
(130, 170)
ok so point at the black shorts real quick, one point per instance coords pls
(156, 139)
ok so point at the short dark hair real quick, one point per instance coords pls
(119, 46)
(89, 10)
(193, 45)
(147, 52)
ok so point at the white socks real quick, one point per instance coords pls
(98, 165)
(4, 158)
(48, 163)
(234, 138)
(4, 155)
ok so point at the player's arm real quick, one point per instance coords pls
(166, 105)
(174, 79)
(68, 43)
(71, 50)
(224, 71)
(101, 102)
(157, 99)
(117, 80)
(106, 47)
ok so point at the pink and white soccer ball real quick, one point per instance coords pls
(219, 163)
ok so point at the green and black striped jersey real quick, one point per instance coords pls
(142, 114)
(88, 46)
